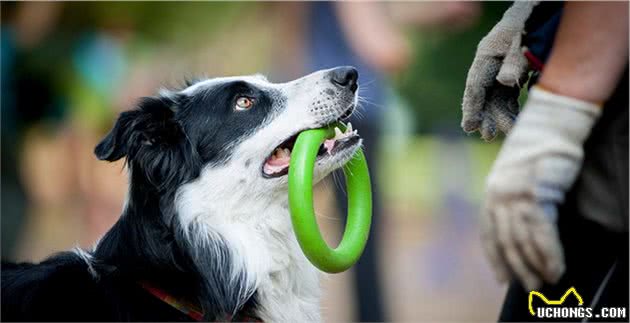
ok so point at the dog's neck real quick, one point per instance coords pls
(251, 217)
(235, 241)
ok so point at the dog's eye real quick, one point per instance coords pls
(243, 103)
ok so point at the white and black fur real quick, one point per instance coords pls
(201, 220)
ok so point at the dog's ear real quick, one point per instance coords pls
(151, 123)
(114, 146)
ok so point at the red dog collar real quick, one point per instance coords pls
(188, 308)
(534, 62)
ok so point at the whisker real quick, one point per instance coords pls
(365, 100)
(339, 182)
(365, 84)
(326, 217)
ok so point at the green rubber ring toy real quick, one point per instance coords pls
(359, 190)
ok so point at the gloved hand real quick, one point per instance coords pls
(497, 72)
(539, 161)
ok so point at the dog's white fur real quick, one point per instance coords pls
(250, 213)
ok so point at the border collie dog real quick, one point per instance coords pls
(205, 229)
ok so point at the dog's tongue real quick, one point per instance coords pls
(277, 162)
(282, 161)
(272, 169)
(329, 144)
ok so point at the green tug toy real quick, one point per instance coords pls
(359, 216)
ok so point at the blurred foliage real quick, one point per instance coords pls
(173, 22)
(420, 163)
(179, 24)
(434, 84)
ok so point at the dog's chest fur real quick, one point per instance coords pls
(257, 230)
(289, 287)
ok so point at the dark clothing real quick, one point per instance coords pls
(602, 188)
(541, 28)
(593, 220)
(328, 47)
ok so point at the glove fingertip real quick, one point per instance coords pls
(555, 272)
(502, 279)
(488, 134)
(488, 128)
(501, 274)
(508, 77)
(505, 127)
(504, 119)
(532, 284)
(471, 124)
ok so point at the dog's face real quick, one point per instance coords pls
(244, 125)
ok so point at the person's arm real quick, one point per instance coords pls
(373, 35)
(590, 51)
(543, 154)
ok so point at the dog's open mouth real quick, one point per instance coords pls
(277, 164)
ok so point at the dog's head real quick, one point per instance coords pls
(241, 127)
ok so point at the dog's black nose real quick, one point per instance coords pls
(345, 76)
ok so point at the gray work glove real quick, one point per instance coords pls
(538, 163)
(497, 72)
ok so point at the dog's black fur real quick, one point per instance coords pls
(166, 140)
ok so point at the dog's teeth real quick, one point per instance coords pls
(349, 128)
(355, 132)
(287, 152)
(338, 133)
